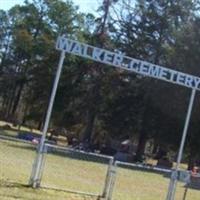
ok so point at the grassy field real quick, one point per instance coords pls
(140, 185)
(13, 191)
(75, 172)
(15, 167)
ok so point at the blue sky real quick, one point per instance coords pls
(84, 5)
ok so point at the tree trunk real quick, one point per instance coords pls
(191, 160)
(40, 125)
(86, 137)
(155, 148)
(191, 163)
(144, 132)
(5, 53)
(141, 146)
(17, 99)
(10, 101)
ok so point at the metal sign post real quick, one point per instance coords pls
(36, 170)
(173, 182)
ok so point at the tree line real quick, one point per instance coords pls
(100, 102)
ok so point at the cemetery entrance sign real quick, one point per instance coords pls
(119, 60)
(127, 63)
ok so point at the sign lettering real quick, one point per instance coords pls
(127, 63)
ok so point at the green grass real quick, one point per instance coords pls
(15, 167)
(140, 185)
(75, 173)
(13, 191)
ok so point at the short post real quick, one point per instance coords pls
(174, 176)
(108, 178)
(185, 192)
(112, 182)
(173, 181)
(39, 161)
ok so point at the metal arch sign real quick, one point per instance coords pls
(127, 63)
(124, 62)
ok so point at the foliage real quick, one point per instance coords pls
(106, 102)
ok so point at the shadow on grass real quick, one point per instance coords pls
(12, 196)
(98, 197)
(15, 185)
(12, 185)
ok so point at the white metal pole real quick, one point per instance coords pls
(112, 182)
(108, 178)
(180, 153)
(187, 121)
(51, 102)
(38, 164)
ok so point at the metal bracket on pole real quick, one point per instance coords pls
(173, 181)
(35, 178)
